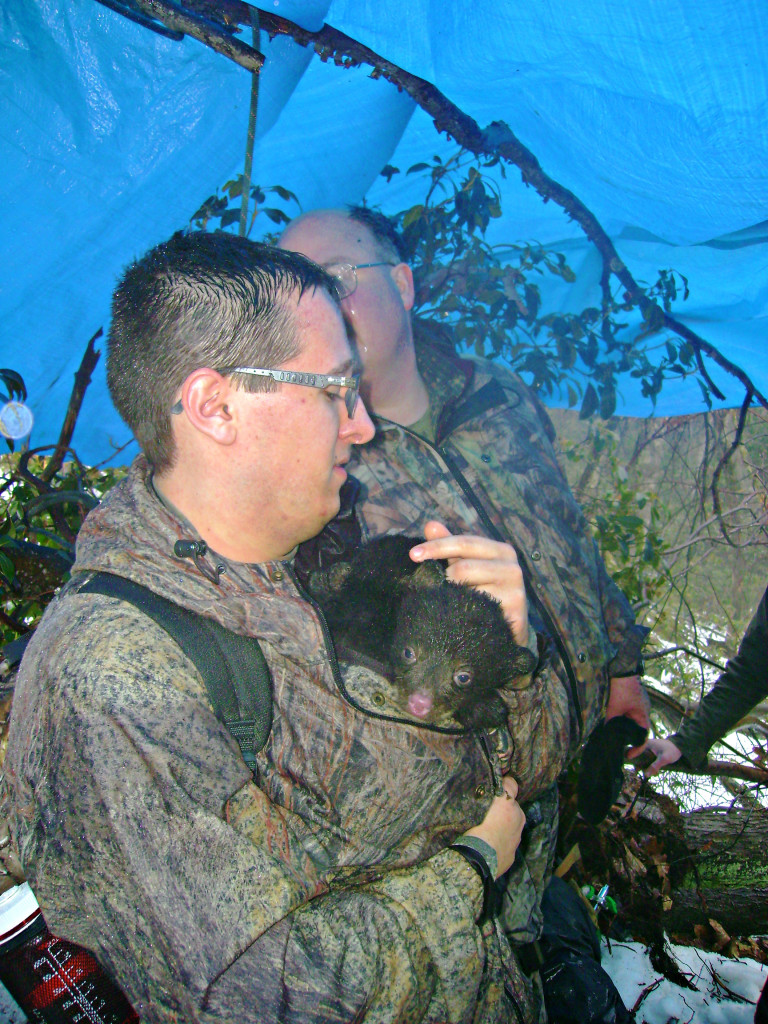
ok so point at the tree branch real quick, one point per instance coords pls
(724, 462)
(729, 770)
(82, 380)
(208, 31)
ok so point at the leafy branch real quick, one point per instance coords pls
(43, 501)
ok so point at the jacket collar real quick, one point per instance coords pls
(458, 390)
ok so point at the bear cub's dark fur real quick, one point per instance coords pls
(445, 646)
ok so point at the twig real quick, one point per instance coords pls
(655, 655)
(128, 10)
(720, 984)
(643, 996)
(115, 453)
(82, 380)
(724, 462)
(718, 518)
(14, 624)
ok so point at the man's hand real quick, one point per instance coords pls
(666, 753)
(488, 565)
(502, 826)
(628, 697)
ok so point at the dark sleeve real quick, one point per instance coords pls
(743, 684)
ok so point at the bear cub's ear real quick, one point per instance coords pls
(325, 583)
(426, 574)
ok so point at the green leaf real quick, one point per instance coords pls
(608, 403)
(285, 193)
(275, 215)
(7, 568)
(589, 403)
(630, 522)
(230, 217)
(234, 188)
(412, 215)
(14, 384)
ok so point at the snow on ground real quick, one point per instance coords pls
(713, 1001)
(9, 1011)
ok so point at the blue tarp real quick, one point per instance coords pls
(653, 114)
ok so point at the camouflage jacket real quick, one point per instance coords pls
(493, 470)
(321, 890)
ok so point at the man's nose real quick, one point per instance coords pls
(358, 429)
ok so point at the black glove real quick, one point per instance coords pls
(601, 770)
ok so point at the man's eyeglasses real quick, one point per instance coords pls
(345, 275)
(310, 380)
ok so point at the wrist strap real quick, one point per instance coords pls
(480, 865)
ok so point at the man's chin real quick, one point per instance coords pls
(331, 510)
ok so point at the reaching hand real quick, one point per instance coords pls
(666, 753)
(488, 565)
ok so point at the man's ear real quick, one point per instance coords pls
(204, 397)
(403, 278)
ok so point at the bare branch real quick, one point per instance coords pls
(654, 655)
(82, 380)
(207, 31)
(729, 770)
(695, 538)
(724, 462)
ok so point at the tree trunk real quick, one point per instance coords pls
(741, 912)
(726, 840)
(736, 836)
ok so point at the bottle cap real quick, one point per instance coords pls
(18, 907)
(16, 420)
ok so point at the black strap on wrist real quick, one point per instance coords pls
(480, 865)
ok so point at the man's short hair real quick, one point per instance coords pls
(388, 241)
(201, 299)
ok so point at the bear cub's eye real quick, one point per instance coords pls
(462, 677)
(409, 654)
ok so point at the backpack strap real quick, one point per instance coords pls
(233, 667)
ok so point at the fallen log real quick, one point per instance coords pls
(741, 912)
(734, 835)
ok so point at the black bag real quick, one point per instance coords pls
(576, 988)
(601, 772)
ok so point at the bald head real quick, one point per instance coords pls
(332, 236)
(364, 255)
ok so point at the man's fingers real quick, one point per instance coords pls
(463, 545)
(434, 530)
(485, 564)
(510, 786)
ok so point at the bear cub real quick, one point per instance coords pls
(445, 646)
